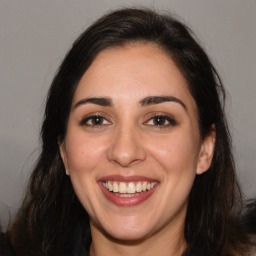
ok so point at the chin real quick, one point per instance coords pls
(128, 233)
(128, 236)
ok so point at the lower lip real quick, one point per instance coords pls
(127, 201)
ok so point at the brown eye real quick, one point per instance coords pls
(94, 120)
(161, 121)
(97, 120)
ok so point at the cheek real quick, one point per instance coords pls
(83, 154)
(177, 153)
(83, 157)
(176, 157)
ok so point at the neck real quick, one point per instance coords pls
(164, 243)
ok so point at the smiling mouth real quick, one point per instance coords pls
(128, 189)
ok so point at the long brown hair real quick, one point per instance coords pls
(51, 211)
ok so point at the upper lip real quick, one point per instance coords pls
(121, 178)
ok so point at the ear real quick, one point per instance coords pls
(63, 154)
(206, 152)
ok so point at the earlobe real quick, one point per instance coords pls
(206, 152)
(63, 155)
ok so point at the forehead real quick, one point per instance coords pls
(132, 72)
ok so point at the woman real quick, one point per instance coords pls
(136, 153)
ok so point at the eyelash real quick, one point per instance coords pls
(170, 121)
(93, 118)
(164, 121)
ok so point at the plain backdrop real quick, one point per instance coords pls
(35, 35)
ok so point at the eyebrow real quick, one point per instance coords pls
(151, 100)
(105, 102)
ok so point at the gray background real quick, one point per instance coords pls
(35, 35)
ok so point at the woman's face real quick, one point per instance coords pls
(133, 147)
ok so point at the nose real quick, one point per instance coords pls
(126, 148)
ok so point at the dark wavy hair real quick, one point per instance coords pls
(51, 212)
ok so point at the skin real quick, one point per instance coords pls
(129, 142)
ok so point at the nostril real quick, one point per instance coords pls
(126, 163)
(126, 157)
(126, 148)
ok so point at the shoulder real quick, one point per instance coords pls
(5, 246)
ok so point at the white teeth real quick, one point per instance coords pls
(110, 187)
(115, 187)
(134, 188)
(126, 195)
(138, 187)
(144, 186)
(131, 188)
(122, 187)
